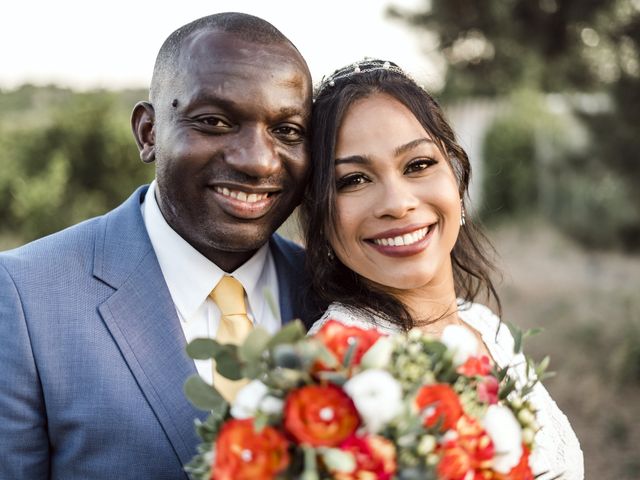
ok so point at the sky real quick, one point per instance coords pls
(113, 44)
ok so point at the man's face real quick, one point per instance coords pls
(231, 144)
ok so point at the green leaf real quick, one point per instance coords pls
(254, 345)
(290, 333)
(228, 364)
(338, 460)
(286, 356)
(202, 395)
(203, 348)
(310, 465)
(349, 354)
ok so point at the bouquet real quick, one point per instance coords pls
(354, 404)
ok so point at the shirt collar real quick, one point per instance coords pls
(189, 275)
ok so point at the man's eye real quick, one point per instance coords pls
(351, 181)
(419, 165)
(289, 133)
(214, 122)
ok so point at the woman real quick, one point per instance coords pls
(388, 240)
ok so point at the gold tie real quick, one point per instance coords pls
(233, 328)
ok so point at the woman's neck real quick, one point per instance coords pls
(433, 306)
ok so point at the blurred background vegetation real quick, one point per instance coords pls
(557, 180)
(559, 84)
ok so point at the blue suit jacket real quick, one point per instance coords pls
(92, 355)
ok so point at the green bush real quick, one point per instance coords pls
(74, 160)
(509, 181)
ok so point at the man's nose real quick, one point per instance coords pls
(254, 154)
(394, 199)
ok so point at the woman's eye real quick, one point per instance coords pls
(419, 165)
(351, 181)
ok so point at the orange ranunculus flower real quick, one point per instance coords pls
(475, 366)
(375, 458)
(522, 471)
(338, 337)
(320, 415)
(440, 403)
(467, 455)
(241, 453)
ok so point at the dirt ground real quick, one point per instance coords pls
(589, 306)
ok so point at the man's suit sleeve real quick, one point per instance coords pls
(24, 445)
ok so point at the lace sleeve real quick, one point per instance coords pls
(352, 318)
(557, 453)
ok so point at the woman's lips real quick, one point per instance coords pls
(402, 243)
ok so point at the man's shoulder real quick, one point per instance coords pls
(66, 247)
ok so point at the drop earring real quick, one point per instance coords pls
(463, 218)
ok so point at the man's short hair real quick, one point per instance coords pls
(250, 28)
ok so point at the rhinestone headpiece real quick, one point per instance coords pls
(358, 68)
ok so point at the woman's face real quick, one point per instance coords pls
(398, 206)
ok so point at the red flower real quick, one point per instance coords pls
(375, 458)
(488, 389)
(241, 453)
(468, 455)
(320, 415)
(338, 338)
(475, 366)
(522, 471)
(441, 403)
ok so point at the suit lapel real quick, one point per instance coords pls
(143, 322)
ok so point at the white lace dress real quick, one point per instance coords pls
(557, 452)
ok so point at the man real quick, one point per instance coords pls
(94, 319)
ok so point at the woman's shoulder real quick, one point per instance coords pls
(353, 317)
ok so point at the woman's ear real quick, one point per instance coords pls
(143, 126)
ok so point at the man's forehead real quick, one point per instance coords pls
(216, 47)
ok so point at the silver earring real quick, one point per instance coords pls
(330, 254)
(463, 219)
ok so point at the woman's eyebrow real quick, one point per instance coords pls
(359, 159)
(411, 145)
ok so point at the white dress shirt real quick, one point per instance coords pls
(191, 276)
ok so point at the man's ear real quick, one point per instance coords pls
(143, 125)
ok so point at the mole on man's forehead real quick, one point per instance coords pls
(174, 103)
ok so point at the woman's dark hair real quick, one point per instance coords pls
(331, 280)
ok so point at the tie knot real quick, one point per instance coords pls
(229, 297)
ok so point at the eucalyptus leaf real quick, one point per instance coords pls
(290, 333)
(203, 348)
(229, 366)
(202, 395)
(254, 345)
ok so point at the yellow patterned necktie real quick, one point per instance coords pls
(233, 328)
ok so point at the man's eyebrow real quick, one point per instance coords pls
(411, 145)
(208, 98)
(358, 159)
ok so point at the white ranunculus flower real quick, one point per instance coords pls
(506, 434)
(379, 354)
(377, 396)
(461, 342)
(248, 399)
(271, 405)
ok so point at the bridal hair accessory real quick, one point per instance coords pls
(364, 66)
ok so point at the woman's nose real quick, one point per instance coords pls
(395, 199)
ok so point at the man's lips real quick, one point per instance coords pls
(403, 242)
(245, 202)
